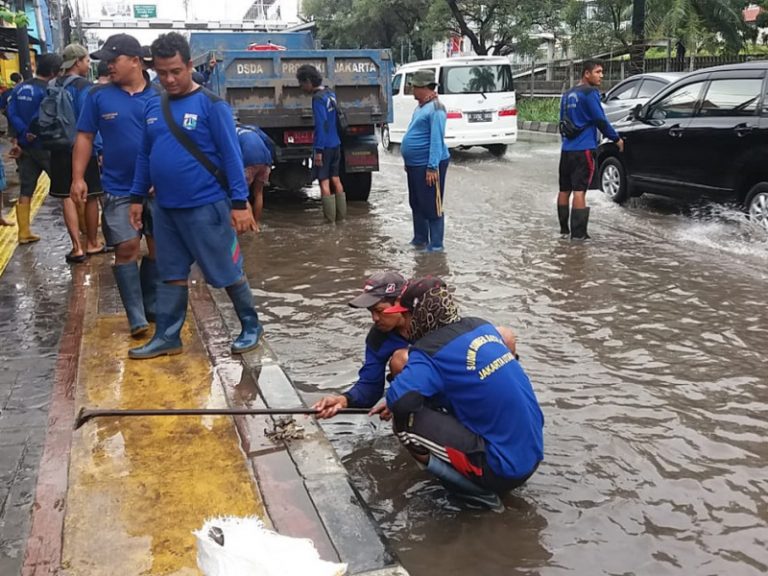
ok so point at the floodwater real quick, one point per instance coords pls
(647, 349)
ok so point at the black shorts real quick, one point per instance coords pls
(331, 164)
(424, 429)
(61, 175)
(577, 168)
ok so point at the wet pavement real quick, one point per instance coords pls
(646, 347)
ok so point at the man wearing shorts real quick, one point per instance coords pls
(115, 111)
(326, 162)
(23, 110)
(198, 210)
(257, 161)
(76, 66)
(462, 405)
(581, 109)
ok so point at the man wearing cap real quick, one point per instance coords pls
(257, 161)
(463, 406)
(387, 335)
(75, 67)
(199, 210)
(23, 111)
(116, 111)
(426, 160)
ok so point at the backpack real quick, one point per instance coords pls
(57, 123)
(342, 122)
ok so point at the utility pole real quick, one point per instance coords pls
(22, 41)
(637, 49)
(42, 36)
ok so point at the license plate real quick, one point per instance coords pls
(298, 137)
(479, 116)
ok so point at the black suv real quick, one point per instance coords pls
(703, 136)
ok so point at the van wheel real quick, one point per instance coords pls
(756, 204)
(497, 150)
(613, 180)
(357, 186)
(386, 142)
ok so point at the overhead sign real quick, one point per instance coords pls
(145, 10)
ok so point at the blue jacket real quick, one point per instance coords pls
(379, 347)
(119, 118)
(467, 367)
(324, 112)
(24, 108)
(179, 179)
(424, 141)
(582, 105)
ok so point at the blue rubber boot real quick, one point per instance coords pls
(462, 487)
(420, 231)
(436, 233)
(171, 313)
(129, 285)
(242, 299)
(149, 281)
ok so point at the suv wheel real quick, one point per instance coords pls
(756, 204)
(386, 142)
(613, 180)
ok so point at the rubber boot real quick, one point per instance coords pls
(129, 286)
(436, 233)
(171, 312)
(341, 205)
(22, 218)
(242, 299)
(579, 220)
(329, 208)
(563, 214)
(149, 282)
(420, 231)
(462, 487)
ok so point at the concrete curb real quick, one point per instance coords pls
(305, 488)
(533, 126)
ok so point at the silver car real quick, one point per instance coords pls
(627, 94)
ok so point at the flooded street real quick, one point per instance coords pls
(646, 348)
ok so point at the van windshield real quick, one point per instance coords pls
(482, 78)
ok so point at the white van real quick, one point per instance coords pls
(477, 92)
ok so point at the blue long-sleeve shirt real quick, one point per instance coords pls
(24, 108)
(179, 179)
(582, 105)
(369, 388)
(324, 111)
(424, 141)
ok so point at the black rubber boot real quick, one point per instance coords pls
(563, 213)
(579, 221)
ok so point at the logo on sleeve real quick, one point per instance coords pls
(190, 121)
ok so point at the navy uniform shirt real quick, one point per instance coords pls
(255, 150)
(582, 105)
(379, 347)
(119, 118)
(469, 368)
(24, 108)
(180, 180)
(324, 111)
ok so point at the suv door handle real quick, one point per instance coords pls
(676, 131)
(743, 129)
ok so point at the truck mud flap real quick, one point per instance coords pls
(361, 157)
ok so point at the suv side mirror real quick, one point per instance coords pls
(636, 112)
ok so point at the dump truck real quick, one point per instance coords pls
(256, 74)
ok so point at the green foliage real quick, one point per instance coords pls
(538, 109)
(17, 18)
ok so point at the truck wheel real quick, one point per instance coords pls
(386, 142)
(357, 186)
(497, 150)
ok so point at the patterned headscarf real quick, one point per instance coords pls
(432, 310)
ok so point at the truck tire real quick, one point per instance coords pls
(357, 186)
(386, 141)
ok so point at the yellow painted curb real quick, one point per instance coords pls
(9, 235)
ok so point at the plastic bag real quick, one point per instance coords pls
(244, 547)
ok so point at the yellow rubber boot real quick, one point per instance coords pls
(22, 218)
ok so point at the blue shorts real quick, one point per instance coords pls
(203, 234)
(116, 220)
(331, 164)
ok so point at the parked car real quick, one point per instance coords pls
(703, 136)
(622, 98)
(478, 93)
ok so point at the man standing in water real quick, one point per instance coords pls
(581, 116)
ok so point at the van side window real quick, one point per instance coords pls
(732, 97)
(396, 82)
(408, 88)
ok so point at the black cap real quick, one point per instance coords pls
(118, 45)
(146, 54)
(378, 287)
(413, 293)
